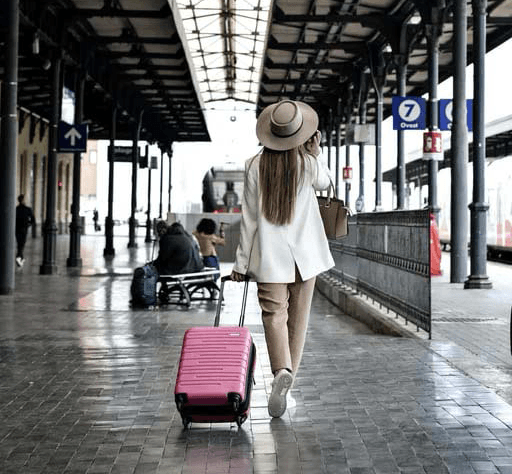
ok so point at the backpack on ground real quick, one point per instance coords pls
(143, 288)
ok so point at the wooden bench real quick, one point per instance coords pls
(182, 288)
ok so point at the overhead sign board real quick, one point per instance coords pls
(446, 114)
(409, 113)
(72, 137)
(360, 133)
(123, 154)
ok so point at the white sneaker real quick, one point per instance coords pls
(280, 386)
(19, 261)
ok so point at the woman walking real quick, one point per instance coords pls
(282, 239)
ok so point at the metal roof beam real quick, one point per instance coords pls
(342, 67)
(320, 82)
(114, 12)
(153, 67)
(129, 39)
(501, 21)
(348, 46)
(140, 54)
(331, 18)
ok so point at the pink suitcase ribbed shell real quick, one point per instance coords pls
(214, 362)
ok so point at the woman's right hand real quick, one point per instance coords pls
(235, 276)
(313, 144)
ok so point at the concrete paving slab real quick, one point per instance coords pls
(86, 385)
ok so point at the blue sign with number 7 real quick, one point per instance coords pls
(409, 113)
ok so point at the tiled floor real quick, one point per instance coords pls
(87, 386)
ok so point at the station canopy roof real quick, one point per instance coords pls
(133, 53)
(331, 53)
(171, 57)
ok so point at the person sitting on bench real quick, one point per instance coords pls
(178, 252)
(205, 235)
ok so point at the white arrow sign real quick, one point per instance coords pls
(72, 135)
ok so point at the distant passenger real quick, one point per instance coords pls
(24, 219)
(208, 240)
(161, 228)
(178, 252)
(96, 218)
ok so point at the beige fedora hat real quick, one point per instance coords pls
(286, 125)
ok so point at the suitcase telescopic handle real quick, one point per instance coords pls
(221, 293)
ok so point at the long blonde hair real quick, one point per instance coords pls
(281, 175)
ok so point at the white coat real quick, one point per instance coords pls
(276, 250)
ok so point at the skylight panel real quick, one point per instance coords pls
(226, 40)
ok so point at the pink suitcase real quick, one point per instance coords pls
(216, 371)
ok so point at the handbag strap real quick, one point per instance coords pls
(334, 195)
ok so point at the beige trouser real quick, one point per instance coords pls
(285, 311)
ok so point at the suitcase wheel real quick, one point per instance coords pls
(235, 400)
(186, 421)
(240, 420)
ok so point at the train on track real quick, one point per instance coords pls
(499, 198)
(223, 188)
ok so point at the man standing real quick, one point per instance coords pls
(24, 219)
(96, 218)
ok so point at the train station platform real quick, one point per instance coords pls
(87, 383)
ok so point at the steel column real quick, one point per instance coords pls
(479, 208)
(459, 146)
(148, 220)
(109, 250)
(132, 222)
(347, 164)
(363, 94)
(378, 146)
(75, 228)
(338, 142)
(161, 182)
(433, 34)
(169, 187)
(48, 266)
(329, 139)
(401, 76)
(8, 147)
(360, 198)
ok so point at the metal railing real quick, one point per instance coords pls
(386, 256)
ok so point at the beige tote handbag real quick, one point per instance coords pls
(334, 215)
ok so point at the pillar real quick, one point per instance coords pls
(109, 250)
(459, 147)
(401, 76)
(8, 147)
(148, 220)
(135, 163)
(478, 277)
(433, 32)
(48, 266)
(75, 228)
(161, 182)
